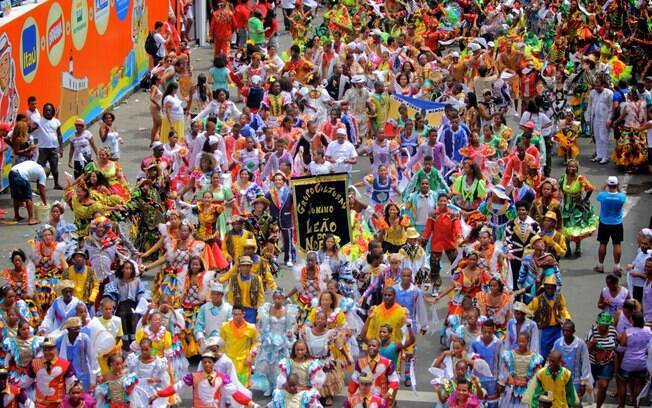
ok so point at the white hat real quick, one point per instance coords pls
(612, 181)
(507, 75)
(455, 54)
(526, 70)
(500, 192)
(213, 140)
(256, 79)
(358, 79)
(217, 287)
(156, 144)
(474, 46)
(341, 131)
(377, 32)
(647, 232)
(213, 341)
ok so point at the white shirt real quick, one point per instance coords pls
(425, 205)
(82, 143)
(160, 44)
(46, 133)
(317, 169)
(340, 152)
(288, 4)
(176, 107)
(31, 171)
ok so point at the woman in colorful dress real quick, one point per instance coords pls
(546, 201)
(66, 231)
(325, 345)
(578, 219)
(176, 258)
(499, 210)
(18, 277)
(152, 373)
(469, 188)
(330, 255)
(84, 207)
(310, 282)
(276, 325)
(381, 187)
(47, 263)
(392, 228)
(221, 195)
(517, 367)
(301, 364)
(496, 304)
(479, 152)
(245, 191)
(631, 147)
(117, 386)
(194, 282)
(208, 211)
(491, 256)
(112, 172)
(126, 290)
(469, 279)
(20, 350)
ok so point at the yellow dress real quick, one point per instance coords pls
(395, 316)
(161, 341)
(239, 342)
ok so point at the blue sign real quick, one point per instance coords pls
(122, 8)
(29, 56)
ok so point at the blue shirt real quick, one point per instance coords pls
(611, 207)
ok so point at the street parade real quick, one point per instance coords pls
(347, 203)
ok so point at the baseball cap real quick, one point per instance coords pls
(612, 181)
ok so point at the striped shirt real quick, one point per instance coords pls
(604, 351)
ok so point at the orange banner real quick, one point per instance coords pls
(81, 55)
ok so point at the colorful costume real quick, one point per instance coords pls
(521, 368)
(275, 342)
(240, 344)
(579, 221)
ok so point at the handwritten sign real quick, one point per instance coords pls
(321, 208)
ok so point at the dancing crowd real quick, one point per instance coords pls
(142, 292)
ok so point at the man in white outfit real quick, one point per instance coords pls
(598, 115)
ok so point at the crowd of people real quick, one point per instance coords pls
(210, 215)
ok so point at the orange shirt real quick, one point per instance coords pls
(443, 229)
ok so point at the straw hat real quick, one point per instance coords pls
(412, 233)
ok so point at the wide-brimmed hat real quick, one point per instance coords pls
(500, 192)
(261, 200)
(245, 260)
(73, 322)
(521, 307)
(65, 284)
(551, 214)
(550, 280)
(412, 233)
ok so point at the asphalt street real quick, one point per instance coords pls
(581, 284)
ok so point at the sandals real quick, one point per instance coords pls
(598, 269)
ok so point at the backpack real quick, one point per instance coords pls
(150, 45)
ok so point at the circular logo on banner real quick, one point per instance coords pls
(79, 23)
(55, 34)
(29, 49)
(122, 8)
(101, 15)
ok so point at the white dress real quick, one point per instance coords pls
(157, 368)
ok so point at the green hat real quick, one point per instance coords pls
(605, 318)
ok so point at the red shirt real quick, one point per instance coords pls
(443, 229)
(241, 16)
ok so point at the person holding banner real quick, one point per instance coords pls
(281, 208)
